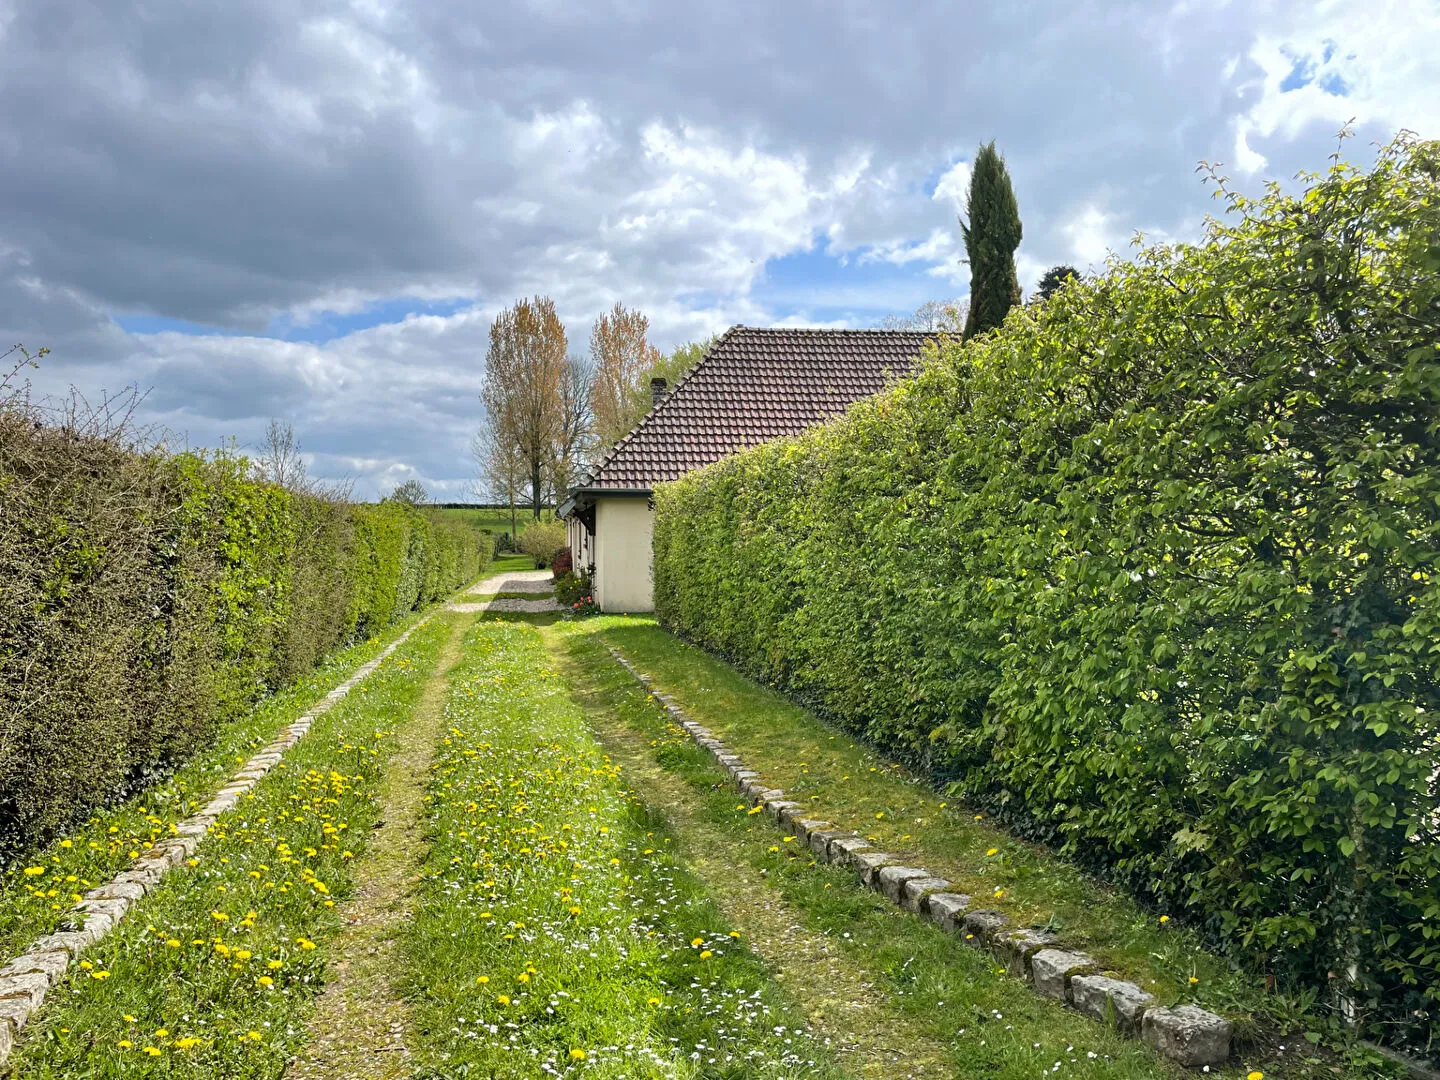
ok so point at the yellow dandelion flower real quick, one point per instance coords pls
(481, 980)
(153, 1051)
(265, 980)
(125, 1044)
(1164, 919)
(578, 1054)
(502, 999)
(993, 851)
(705, 955)
(1193, 980)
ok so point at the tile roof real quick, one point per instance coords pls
(754, 385)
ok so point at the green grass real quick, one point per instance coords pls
(992, 1025)
(32, 905)
(179, 988)
(848, 783)
(496, 521)
(556, 933)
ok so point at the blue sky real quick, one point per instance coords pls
(312, 210)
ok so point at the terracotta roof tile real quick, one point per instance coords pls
(752, 386)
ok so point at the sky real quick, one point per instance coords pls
(312, 210)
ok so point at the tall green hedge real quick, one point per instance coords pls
(1151, 572)
(146, 598)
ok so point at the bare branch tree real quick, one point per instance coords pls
(622, 355)
(524, 371)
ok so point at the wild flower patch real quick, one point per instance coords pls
(213, 972)
(38, 889)
(557, 935)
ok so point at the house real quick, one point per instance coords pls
(752, 385)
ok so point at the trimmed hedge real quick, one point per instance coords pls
(1151, 573)
(147, 598)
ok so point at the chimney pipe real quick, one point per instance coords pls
(657, 391)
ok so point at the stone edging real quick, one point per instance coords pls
(25, 980)
(1184, 1034)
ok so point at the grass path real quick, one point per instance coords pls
(929, 992)
(360, 1022)
(840, 998)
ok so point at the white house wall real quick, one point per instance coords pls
(623, 530)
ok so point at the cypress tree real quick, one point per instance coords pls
(991, 236)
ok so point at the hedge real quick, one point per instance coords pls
(146, 598)
(1150, 572)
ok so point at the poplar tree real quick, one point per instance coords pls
(992, 234)
(522, 393)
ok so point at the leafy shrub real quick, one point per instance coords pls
(542, 541)
(146, 598)
(564, 562)
(571, 587)
(1151, 572)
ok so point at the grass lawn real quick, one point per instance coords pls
(38, 890)
(213, 973)
(497, 521)
(556, 932)
(947, 1004)
(848, 783)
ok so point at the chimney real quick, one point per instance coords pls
(657, 391)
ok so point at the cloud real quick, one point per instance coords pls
(313, 209)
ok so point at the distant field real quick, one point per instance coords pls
(495, 521)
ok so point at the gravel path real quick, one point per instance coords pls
(528, 581)
(510, 604)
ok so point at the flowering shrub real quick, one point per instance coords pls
(583, 608)
(1151, 572)
(571, 588)
(555, 933)
(212, 973)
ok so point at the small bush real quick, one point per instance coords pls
(542, 541)
(1153, 572)
(571, 587)
(564, 562)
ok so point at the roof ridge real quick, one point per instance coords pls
(753, 384)
(654, 408)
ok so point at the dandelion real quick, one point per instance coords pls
(481, 980)
(577, 1054)
(706, 954)
(1164, 919)
(1255, 1075)
(153, 1051)
(172, 943)
(265, 980)
(992, 851)
(1193, 980)
(125, 1044)
(34, 871)
(502, 999)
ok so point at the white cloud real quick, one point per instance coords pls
(954, 184)
(1374, 63)
(253, 164)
